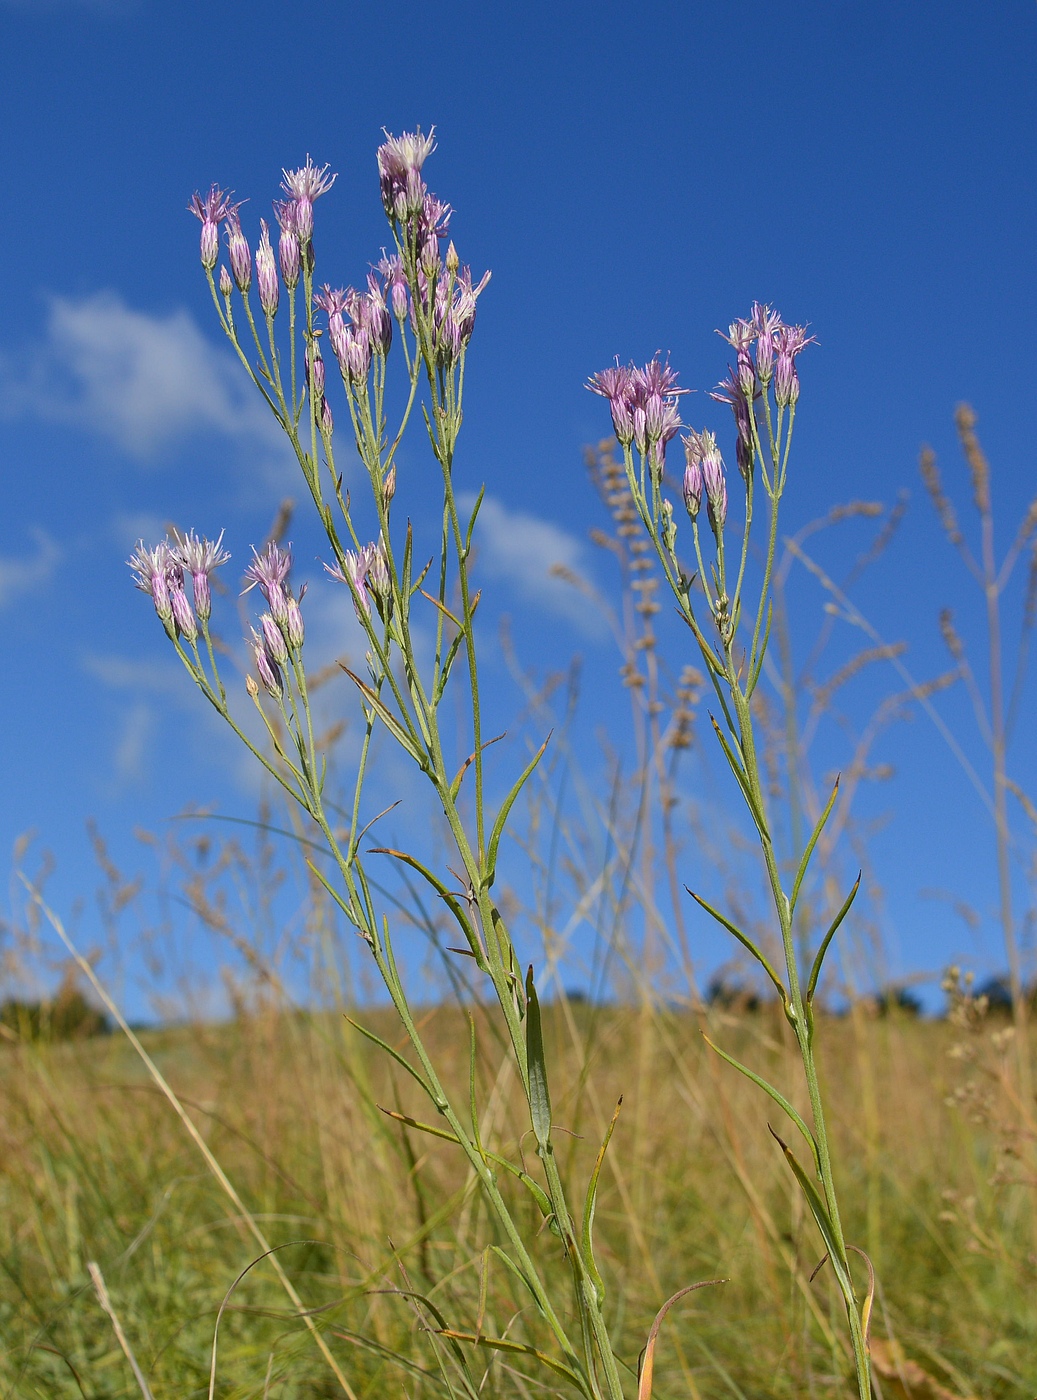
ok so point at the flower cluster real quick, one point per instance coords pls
(644, 404)
(281, 631)
(212, 210)
(161, 573)
(704, 471)
(359, 325)
(399, 171)
(365, 572)
(765, 350)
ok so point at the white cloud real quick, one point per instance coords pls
(133, 746)
(142, 381)
(534, 556)
(18, 576)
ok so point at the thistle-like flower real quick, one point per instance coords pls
(303, 186)
(766, 322)
(288, 254)
(692, 485)
(269, 570)
(273, 639)
(240, 256)
(400, 159)
(212, 210)
(267, 667)
(151, 570)
(616, 385)
(198, 557)
(714, 482)
(790, 341)
(266, 273)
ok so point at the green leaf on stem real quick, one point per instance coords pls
(815, 971)
(743, 782)
(824, 1221)
(815, 837)
(536, 1065)
(421, 1127)
(754, 675)
(746, 943)
(778, 1097)
(455, 786)
(449, 898)
(506, 806)
(588, 1209)
(395, 1054)
(390, 721)
(472, 519)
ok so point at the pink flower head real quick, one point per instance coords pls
(273, 640)
(617, 385)
(373, 315)
(790, 341)
(692, 485)
(288, 254)
(304, 186)
(269, 671)
(729, 391)
(266, 273)
(465, 299)
(240, 256)
(151, 574)
(366, 574)
(766, 321)
(334, 302)
(212, 210)
(394, 278)
(655, 413)
(270, 569)
(198, 557)
(713, 481)
(400, 159)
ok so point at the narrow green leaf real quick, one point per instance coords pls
(743, 782)
(509, 802)
(502, 1344)
(815, 971)
(446, 895)
(539, 1097)
(588, 1209)
(390, 721)
(746, 943)
(778, 1097)
(801, 872)
(824, 1221)
(472, 519)
(377, 1040)
(421, 1127)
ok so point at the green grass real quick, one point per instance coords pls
(96, 1166)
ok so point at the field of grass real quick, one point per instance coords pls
(97, 1167)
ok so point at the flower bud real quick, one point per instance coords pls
(210, 244)
(453, 262)
(389, 485)
(269, 671)
(226, 285)
(692, 486)
(273, 640)
(327, 422)
(294, 629)
(304, 220)
(240, 256)
(183, 615)
(266, 273)
(714, 483)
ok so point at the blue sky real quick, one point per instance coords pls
(635, 176)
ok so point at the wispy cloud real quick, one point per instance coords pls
(23, 575)
(538, 560)
(141, 380)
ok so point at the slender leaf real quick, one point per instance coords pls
(384, 1044)
(644, 1384)
(539, 1096)
(390, 721)
(588, 1209)
(801, 872)
(743, 782)
(778, 1097)
(820, 1213)
(815, 971)
(450, 899)
(503, 1344)
(509, 802)
(746, 943)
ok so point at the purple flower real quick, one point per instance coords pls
(198, 557)
(692, 486)
(713, 481)
(240, 257)
(294, 629)
(766, 321)
(269, 570)
(374, 314)
(151, 570)
(393, 276)
(304, 186)
(269, 671)
(366, 573)
(315, 372)
(334, 302)
(355, 361)
(790, 341)
(266, 273)
(616, 385)
(183, 614)
(729, 391)
(212, 210)
(400, 159)
(327, 422)
(226, 285)
(465, 299)
(288, 244)
(273, 640)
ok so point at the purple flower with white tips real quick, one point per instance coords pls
(266, 273)
(240, 256)
(304, 186)
(266, 666)
(790, 341)
(273, 639)
(766, 322)
(151, 574)
(713, 481)
(288, 255)
(692, 484)
(400, 159)
(198, 557)
(212, 210)
(616, 385)
(269, 570)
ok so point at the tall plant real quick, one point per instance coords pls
(763, 392)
